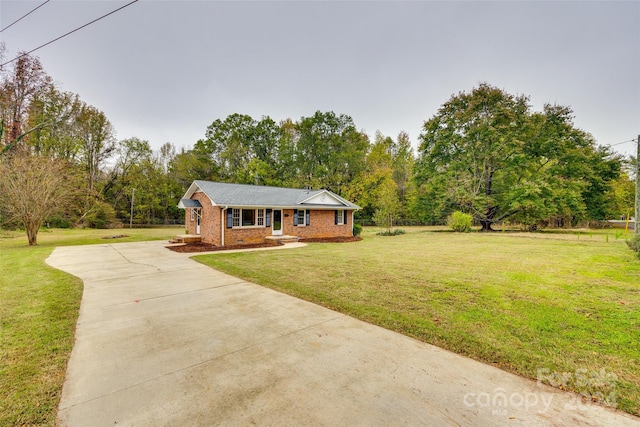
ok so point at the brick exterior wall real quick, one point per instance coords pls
(240, 236)
(322, 224)
(209, 221)
(189, 223)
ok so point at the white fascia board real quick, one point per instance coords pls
(345, 201)
(325, 193)
(313, 197)
(308, 207)
(191, 190)
(195, 188)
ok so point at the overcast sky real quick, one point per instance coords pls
(164, 70)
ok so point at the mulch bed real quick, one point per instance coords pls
(205, 247)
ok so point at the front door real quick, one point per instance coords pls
(198, 222)
(276, 224)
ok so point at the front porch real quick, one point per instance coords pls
(186, 238)
(196, 238)
(282, 239)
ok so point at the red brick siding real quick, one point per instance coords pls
(239, 236)
(322, 224)
(190, 223)
(209, 222)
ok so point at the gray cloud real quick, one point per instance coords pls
(163, 70)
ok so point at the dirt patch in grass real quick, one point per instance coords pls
(333, 240)
(206, 247)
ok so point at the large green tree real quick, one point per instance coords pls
(189, 165)
(375, 184)
(486, 153)
(241, 149)
(141, 179)
(97, 138)
(52, 120)
(403, 162)
(322, 151)
(130, 154)
(329, 151)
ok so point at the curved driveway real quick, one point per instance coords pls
(164, 340)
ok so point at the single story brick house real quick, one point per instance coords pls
(232, 214)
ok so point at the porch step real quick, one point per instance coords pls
(186, 238)
(283, 239)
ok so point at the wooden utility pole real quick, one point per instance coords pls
(133, 194)
(636, 224)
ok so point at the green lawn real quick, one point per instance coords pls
(38, 312)
(519, 301)
(523, 302)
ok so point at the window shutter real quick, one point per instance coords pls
(229, 218)
(308, 217)
(295, 217)
(267, 222)
(335, 218)
(346, 215)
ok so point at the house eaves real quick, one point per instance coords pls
(253, 196)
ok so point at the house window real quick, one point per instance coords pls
(236, 217)
(300, 214)
(248, 217)
(340, 217)
(193, 213)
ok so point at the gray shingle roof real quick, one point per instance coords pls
(190, 203)
(254, 195)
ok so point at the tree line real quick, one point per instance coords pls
(485, 152)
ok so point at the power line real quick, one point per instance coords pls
(24, 16)
(66, 34)
(620, 143)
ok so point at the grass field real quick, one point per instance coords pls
(554, 301)
(564, 303)
(38, 312)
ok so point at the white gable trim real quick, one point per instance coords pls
(193, 189)
(324, 198)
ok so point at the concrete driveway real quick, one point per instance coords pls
(164, 340)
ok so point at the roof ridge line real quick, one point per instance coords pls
(263, 186)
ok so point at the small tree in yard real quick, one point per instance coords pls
(33, 188)
(388, 205)
(460, 222)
